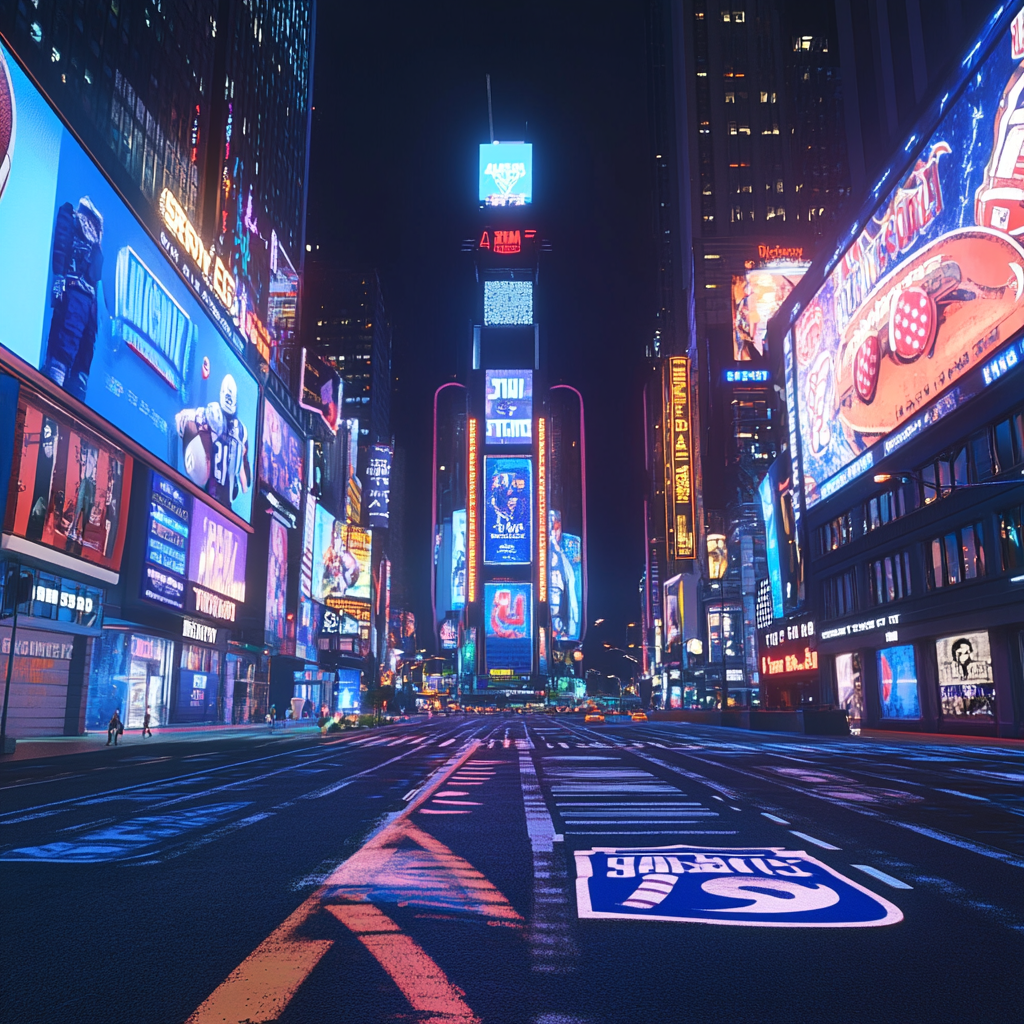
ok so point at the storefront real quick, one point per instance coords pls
(788, 665)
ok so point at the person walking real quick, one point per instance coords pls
(146, 731)
(114, 727)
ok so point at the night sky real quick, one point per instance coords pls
(400, 107)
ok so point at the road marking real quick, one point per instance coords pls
(881, 876)
(811, 839)
(447, 743)
(966, 796)
(427, 810)
(963, 844)
(774, 817)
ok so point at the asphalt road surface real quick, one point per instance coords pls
(507, 869)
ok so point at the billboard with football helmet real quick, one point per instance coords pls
(91, 301)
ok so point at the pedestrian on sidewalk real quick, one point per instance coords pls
(114, 727)
(146, 731)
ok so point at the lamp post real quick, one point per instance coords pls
(628, 657)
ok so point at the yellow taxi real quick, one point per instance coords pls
(593, 716)
(638, 716)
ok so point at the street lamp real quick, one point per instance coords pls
(628, 657)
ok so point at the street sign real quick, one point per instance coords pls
(767, 887)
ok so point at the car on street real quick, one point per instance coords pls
(638, 716)
(593, 716)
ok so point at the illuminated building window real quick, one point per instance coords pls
(730, 97)
(508, 302)
(739, 17)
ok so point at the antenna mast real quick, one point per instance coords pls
(490, 112)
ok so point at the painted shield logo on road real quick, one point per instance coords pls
(767, 887)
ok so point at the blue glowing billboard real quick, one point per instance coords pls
(565, 580)
(897, 682)
(167, 543)
(767, 491)
(508, 409)
(508, 516)
(506, 174)
(91, 301)
(458, 559)
(509, 629)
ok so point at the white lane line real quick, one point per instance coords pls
(731, 808)
(774, 817)
(447, 743)
(966, 796)
(881, 876)
(714, 796)
(963, 844)
(561, 744)
(811, 839)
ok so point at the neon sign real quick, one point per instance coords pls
(506, 174)
(780, 252)
(678, 461)
(747, 376)
(472, 526)
(542, 511)
(211, 267)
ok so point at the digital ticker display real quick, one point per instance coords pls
(508, 413)
(508, 513)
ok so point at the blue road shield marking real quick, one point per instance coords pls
(765, 887)
(125, 840)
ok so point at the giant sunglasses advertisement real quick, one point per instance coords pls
(91, 301)
(933, 286)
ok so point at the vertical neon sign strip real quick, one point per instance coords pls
(472, 525)
(679, 461)
(542, 510)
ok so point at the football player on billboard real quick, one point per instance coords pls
(215, 445)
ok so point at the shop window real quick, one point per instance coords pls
(1011, 539)
(956, 556)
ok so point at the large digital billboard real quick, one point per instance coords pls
(967, 687)
(167, 536)
(565, 580)
(506, 174)
(378, 485)
(216, 564)
(508, 303)
(341, 561)
(933, 286)
(509, 629)
(897, 682)
(508, 412)
(320, 389)
(275, 622)
(72, 487)
(281, 456)
(679, 460)
(458, 559)
(756, 297)
(508, 517)
(91, 301)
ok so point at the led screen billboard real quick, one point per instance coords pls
(216, 564)
(167, 535)
(756, 297)
(508, 411)
(506, 174)
(458, 559)
(91, 301)
(679, 460)
(508, 517)
(281, 456)
(378, 485)
(565, 580)
(72, 487)
(508, 303)
(320, 389)
(967, 687)
(933, 286)
(673, 610)
(509, 629)
(897, 682)
(341, 561)
(275, 622)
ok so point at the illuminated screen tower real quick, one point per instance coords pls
(509, 478)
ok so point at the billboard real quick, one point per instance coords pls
(767, 491)
(341, 561)
(508, 303)
(897, 682)
(933, 286)
(72, 487)
(508, 414)
(167, 536)
(506, 174)
(378, 485)
(275, 622)
(679, 461)
(320, 389)
(91, 301)
(565, 580)
(967, 687)
(756, 297)
(509, 629)
(216, 564)
(508, 516)
(673, 610)
(458, 559)
(306, 623)
(281, 456)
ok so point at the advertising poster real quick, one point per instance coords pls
(458, 559)
(378, 485)
(91, 301)
(71, 487)
(766, 492)
(673, 612)
(565, 580)
(679, 461)
(347, 690)
(508, 516)
(167, 535)
(933, 286)
(508, 409)
(509, 629)
(506, 174)
(320, 389)
(967, 687)
(281, 457)
(216, 563)
(275, 623)
(449, 633)
(341, 561)
(897, 682)
(756, 297)
(850, 688)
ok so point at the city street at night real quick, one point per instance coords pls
(425, 871)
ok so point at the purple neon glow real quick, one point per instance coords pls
(433, 506)
(583, 483)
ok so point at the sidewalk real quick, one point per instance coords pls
(56, 746)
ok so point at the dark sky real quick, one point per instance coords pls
(400, 106)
